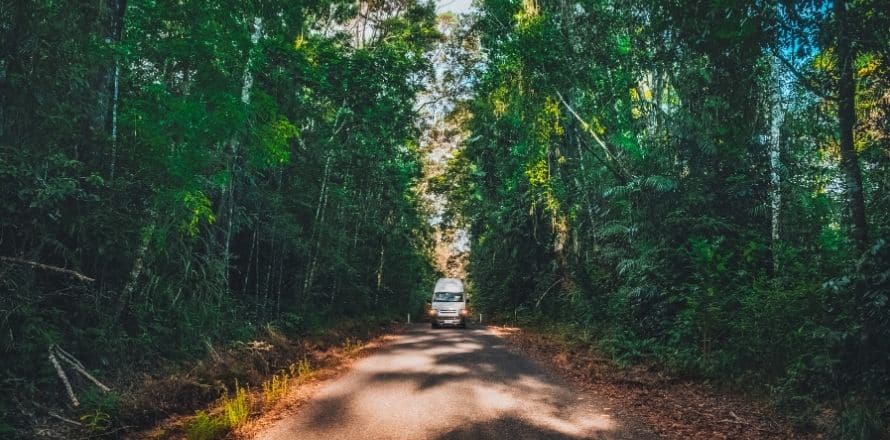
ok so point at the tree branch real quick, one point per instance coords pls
(804, 80)
(69, 272)
(71, 360)
(61, 373)
(621, 171)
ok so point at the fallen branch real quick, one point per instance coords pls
(79, 368)
(538, 304)
(65, 419)
(738, 421)
(213, 353)
(75, 274)
(106, 433)
(69, 355)
(63, 376)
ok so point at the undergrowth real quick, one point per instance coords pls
(234, 409)
(352, 345)
(237, 407)
(206, 427)
(278, 386)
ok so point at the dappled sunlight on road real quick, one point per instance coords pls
(449, 384)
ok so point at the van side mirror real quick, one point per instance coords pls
(429, 301)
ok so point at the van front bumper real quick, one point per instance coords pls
(448, 317)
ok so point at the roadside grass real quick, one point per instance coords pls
(280, 384)
(276, 387)
(236, 409)
(233, 411)
(204, 426)
(352, 345)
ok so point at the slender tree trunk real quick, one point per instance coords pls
(317, 224)
(777, 116)
(267, 285)
(846, 105)
(248, 74)
(256, 277)
(117, 76)
(250, 257)
(382, 257)
(361, 220)
(111, 79)
(280, 283)
(247, 85)
(138, 265)
(380, 264)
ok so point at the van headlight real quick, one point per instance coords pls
(464, 312)
(433, 312)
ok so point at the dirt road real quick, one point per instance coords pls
(451, 384)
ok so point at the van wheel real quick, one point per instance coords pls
(463, 323)
(433, 325)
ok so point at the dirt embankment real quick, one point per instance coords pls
(253, 366)
(672, 407)
(162, 403)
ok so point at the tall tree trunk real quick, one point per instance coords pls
(246, 87)
(129, 289)
(109, 89)
(382, 258)
(315, 236)
(846, 112)
(250, 257)
(380, 265)
(777, 116)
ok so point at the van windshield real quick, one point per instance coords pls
(448, 297)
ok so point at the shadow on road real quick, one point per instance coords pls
(504, 427)
(450, 384)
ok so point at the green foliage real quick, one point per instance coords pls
(100, 406)
(617, 173)
(212, 176)
(236, 408)
(861, 422)
(206, 427)
(233, 411)
(276, 387)
(96, 421)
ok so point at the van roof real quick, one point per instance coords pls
(451, 285)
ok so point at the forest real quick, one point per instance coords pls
(702, 185)
(179, 173)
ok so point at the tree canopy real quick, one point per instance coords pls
(208, 168)
(702, 185)
(699, 184)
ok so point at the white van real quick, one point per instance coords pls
(449, 303)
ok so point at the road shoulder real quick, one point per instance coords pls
(340, 363)
(672, 408)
